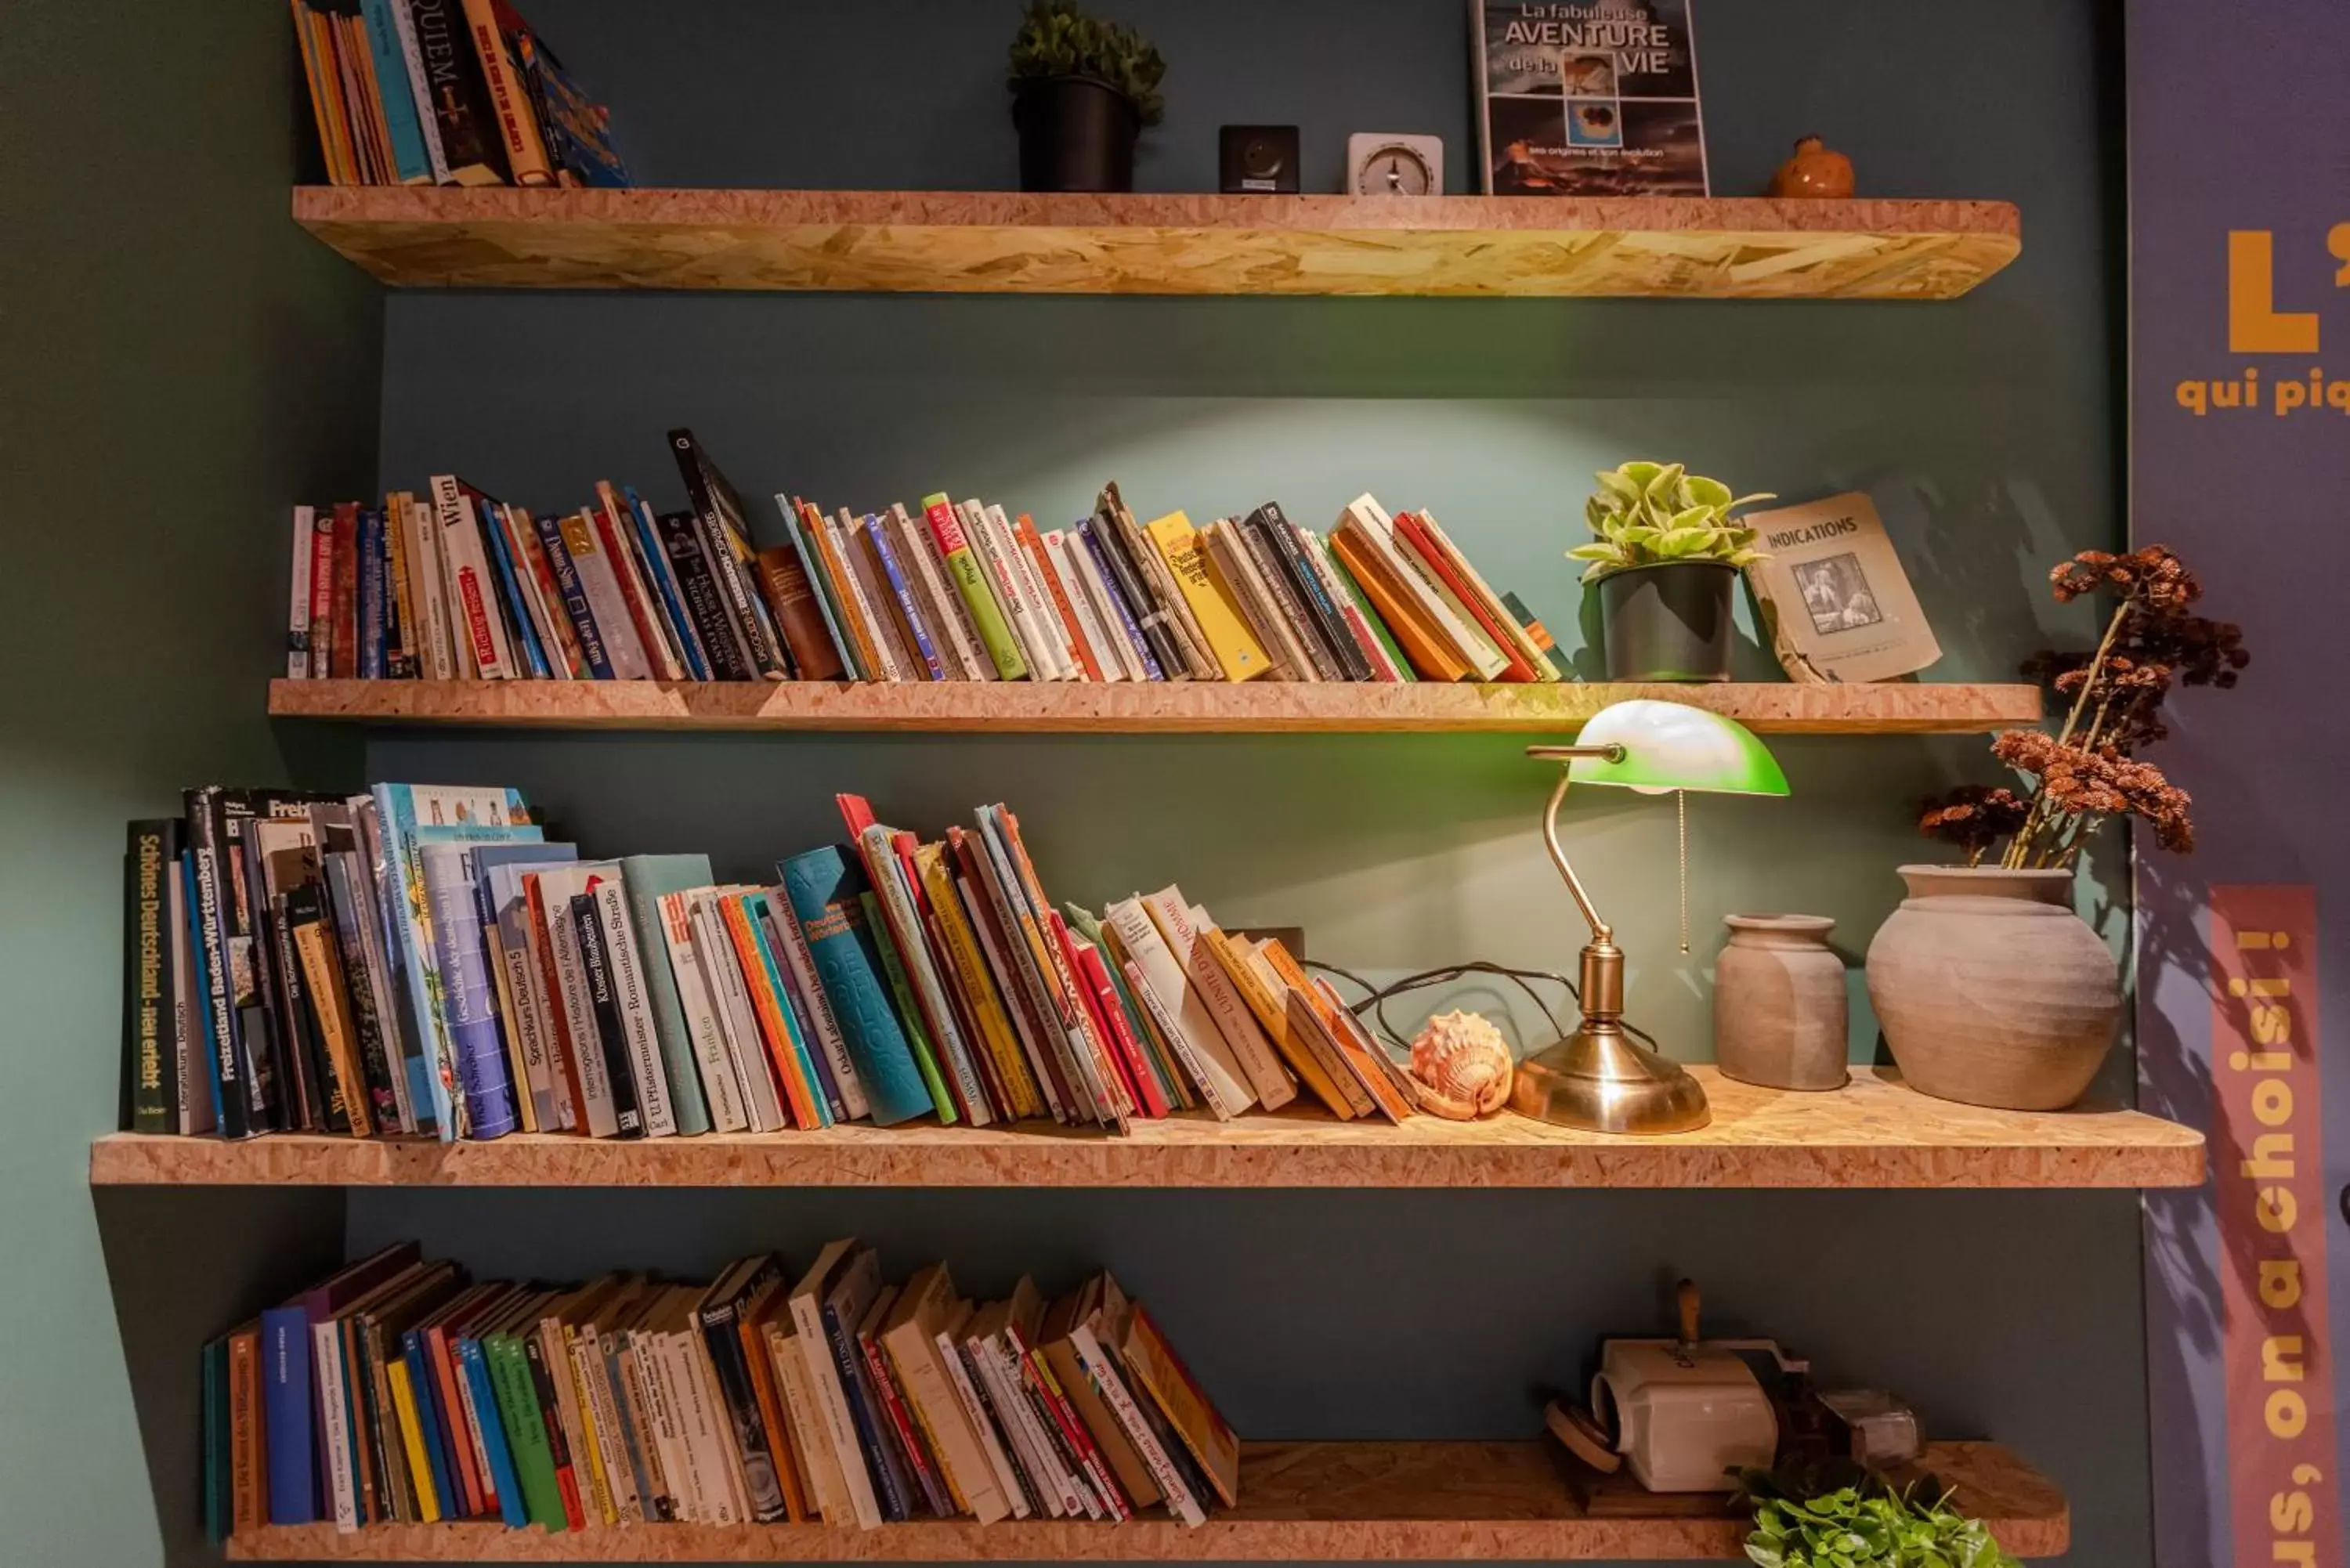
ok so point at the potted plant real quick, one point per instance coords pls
(1665, 557)
(1868, 1524)
(1991, 991)
(1082, 89)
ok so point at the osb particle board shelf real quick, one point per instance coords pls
(1023, 707)
(1876, 1132)
(1008, 242)
(1299, 1502)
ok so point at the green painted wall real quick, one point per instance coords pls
(176, 363)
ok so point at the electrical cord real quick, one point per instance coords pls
(1376, 998)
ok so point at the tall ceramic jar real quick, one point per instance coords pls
(1779, 1012)
(1990, 990)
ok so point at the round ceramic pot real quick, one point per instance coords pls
(1076, 134)
(1669, 621)
(1779, 1011)
(1990, 990)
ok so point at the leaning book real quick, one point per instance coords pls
(1833, 593)
(1587, 98)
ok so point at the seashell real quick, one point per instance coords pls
(1462, 1064)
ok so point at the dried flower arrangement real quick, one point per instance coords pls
(2087, 771)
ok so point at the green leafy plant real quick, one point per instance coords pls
(1057, 39)
(1644, 513)
(1867, 1523)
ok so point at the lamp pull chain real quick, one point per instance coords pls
(1681, 810)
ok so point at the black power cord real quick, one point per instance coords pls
(1376, 998)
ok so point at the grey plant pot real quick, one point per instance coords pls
(1671, 621)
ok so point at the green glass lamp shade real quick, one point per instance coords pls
(1668, 746)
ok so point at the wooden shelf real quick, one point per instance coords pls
(1021, 707)
(1007, 243)
(1422, 1502)
(1873, 1133)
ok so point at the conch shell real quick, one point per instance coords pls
(1461, 1065)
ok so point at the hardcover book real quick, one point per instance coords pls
(1587, 99)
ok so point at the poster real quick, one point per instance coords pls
(1587, 98)
(2239, 304)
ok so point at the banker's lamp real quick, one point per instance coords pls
(1600, 1078)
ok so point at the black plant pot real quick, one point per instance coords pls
(1076, 134)
(1671, 621)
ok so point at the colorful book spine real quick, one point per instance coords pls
(1116, 579)
(683, 629)
(729, 657)
(902, 590)
(286, 1414)
(797, 517)
(536, 663)
(971, 581)
(823, 886)
(410, 160)
(648, 878)
(464, 992)
(592, 651)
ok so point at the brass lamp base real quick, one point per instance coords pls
(1601, 1080)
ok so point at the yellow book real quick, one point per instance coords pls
(412, 1439)
(972, 975)
(1272, 1012)
(1229, 639)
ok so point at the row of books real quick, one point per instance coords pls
(459, 586)
(398, 1391)
(424, 959)
(446, 92)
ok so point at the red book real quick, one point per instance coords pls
(1102, 997)
(612, 531)
(929, 1478)
(1054, 591)
(344, 665)
(1039, 1377)
(1415, 537)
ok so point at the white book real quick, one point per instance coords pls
(630, 578)
(428, 591)
(600, 585)
(827, 1026)
(1181, 1011)
(1071, 1489)
(738, 1021)
(1325, 571)
(298, 598)
(845, 1286)
(1018, 1424)
(1104, 1373)
(949, 618)
(334, 1437)
(1089, 628)
(519, 535)
(1102, 596)
(557, 886)
(842, 533)
(809, 1444)
(1372, 524)
(657, 1366)
(419, 84)
(713, 1433)
(481, 619)
(464, 665)
(974, 1412)
(995, 564)
(914, 949)
(531, 1025)
(1427, 577)
(587, 1347)
(1044, 623)
(1520, 638)
(634, 1007)
(1171, 913)
(721, 1086)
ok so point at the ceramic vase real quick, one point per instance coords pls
(1815, 171)
(1990, 990)
(1779, 1011)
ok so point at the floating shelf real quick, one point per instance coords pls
(1873, 1133)
(1007, 243)
(1199, 707)
(1425, 1502)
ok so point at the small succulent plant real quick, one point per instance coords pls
(1057, 39)
(1644, 513)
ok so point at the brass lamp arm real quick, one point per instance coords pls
(1600, 930)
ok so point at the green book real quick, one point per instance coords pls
(647, 877)
(908, 1014)
(963, 564)
(525, 1429)
(1370, 616)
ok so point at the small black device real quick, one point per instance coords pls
(1257, 158)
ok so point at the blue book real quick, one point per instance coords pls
(485, 815)
(502, 1479)
(498, 871)
(510, 587)
(408, 157)
(592, 651)
(371, 608)
(665, 584)
(820, 581)
(428, 1419)
(468, 992)
(909, 607)
(1126, 624)
(823, 886)
(286, 1409)
(645, 878)
(811, 1060)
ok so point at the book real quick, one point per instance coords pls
(1833, 594)
(1356, 619)
(645, 544)
(1539, 635)
(925, 1307)
(479, 605)
(1171, 912)
(1115, 602)
(1161, 985)
(763, 1104)
(1145, 1353)
(1235, 568)
(1127, 560)
(576, 1044)
(1470, 585)
(614, 533)
(1393, 662)
(727, 540)
(679, 535)
(609, 1034)
(824, 887)
(1398, 600)
(842, 1278)
(1102, 657)
(1007, 580)
(1585, 102)
(1317, 1066)
(1278, 576)
(802, 523)
(465, 990)
(1238, 654)
(576, 128)
(150, 863)
(899, 604)
(1077, 654)
(1419, 549)
(526, 150)
(943, 603)
(464, 119)
(646, 879)
(718, 1314)
(799, 617)
(1191, 647)
(1075, 1381)
(814, 1105)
